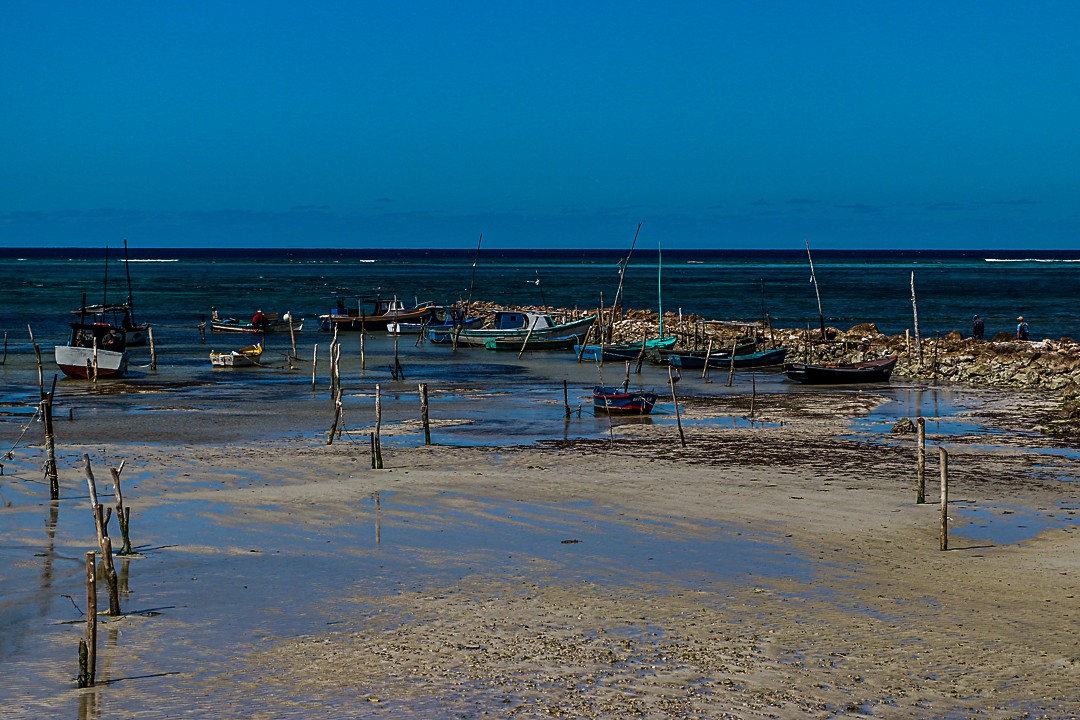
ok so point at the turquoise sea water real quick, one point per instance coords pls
(174, 288)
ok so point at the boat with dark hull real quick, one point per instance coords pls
(372, 313)
(616, 401)
(853, 373)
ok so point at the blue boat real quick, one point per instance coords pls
(720, 361)
(513, 324)
(623, 351)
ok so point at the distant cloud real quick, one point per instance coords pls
(862, 208)
(945, 206)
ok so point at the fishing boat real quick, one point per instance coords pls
(517, 344)
(720, 361)
(870, 371)
(624, 351)
(443, 317)
(244, 357)
(616, 401)
(272, 323)
(93, 350)
(514, 324)
(372, 313)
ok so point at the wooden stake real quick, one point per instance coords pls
(153, 350)
(920, 454)
(292, 336)
(202, 332)
(944, 498)
(378, 428)
(88, 645)
(363, 356)
(50, 442)
(731, 367)
(424, 413)
(915, 312)
(123, 513)
(528, 335)
(678, 417)
(566, 399)
(4, 361)
(626, 378)
(708, 354)
(314, 365)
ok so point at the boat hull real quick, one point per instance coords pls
(696, 361)
(369, 323)
(245, 357)
(478, 337)
(614, 401)
(274, 326)
(873, 371)
(623, 351)
(518, 344)
(79, 362)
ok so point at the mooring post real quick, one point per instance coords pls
(50, 442)
(920, 454)
(678, 417)
(292, 337)
(378, 428)
(944, 498)
(123, 513)
(731, 366)
(153, 349)
(424, 413)
(314, 365)
(88, 645)
(626, 378)
(566, 399)
(708, 355)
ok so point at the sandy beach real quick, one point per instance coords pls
(779, 568)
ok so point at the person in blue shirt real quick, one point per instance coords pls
(1021, 328)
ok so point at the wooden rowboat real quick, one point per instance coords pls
(244, 357)
(614, 401)
(853, 373)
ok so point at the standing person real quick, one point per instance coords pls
(977, 328)
(1021, 328)
(259, 320)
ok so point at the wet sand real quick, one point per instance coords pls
(774, 569)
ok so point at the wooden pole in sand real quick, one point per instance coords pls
(50, 442)
(424, 413)
(708, 354)
(202, 331)
(153, 348)
(731, 365)
(378, 428)
(314, 365)
(678, 417)
(920, 454)
(527, 336)
(103, 539)
(4, 361)
(88, 645)
(292, 335)
(37, 354)
(566, 399)
(363, 356)
(944, 498)
(123, 513)
(399, 372)
(626, 378)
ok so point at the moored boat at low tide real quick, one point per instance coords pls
(372, 313)
(616, 401)
(244, 357)
(514, 324)
(852, 373)
(93, 350)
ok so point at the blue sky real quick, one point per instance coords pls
(544, 124)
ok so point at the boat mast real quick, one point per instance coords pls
(622, 269)
(813, 279)
(105, 289)
(127, 269)
(659, 293)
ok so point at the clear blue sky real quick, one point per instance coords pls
(540, 124)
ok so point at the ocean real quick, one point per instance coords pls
(174, 289)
